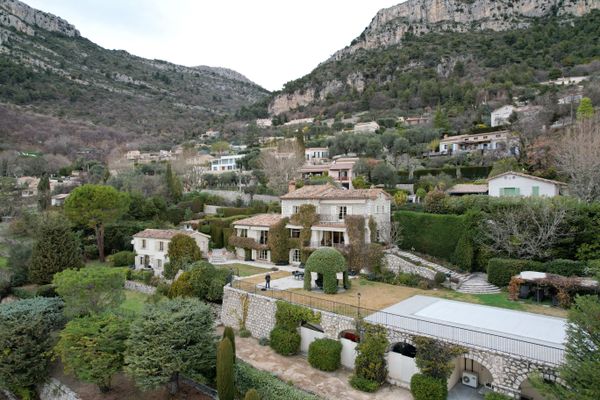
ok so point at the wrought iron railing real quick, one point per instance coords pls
(517, 347)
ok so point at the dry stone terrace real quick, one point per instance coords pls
(506, 368)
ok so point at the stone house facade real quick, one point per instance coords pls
(152, 245)
(333, 206)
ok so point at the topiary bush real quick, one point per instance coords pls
(285, 342)
(326, 262)
(229, 334)
(225, 370)
(325, 354)
(500, 270)
(123, 259)
(425, 387)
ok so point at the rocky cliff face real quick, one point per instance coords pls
(390, 25)
(25, 19)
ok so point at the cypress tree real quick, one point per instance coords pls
(57, 248)
(44, 193)
(225, 383)
(228, 333)
(173, 185)
(252, 394)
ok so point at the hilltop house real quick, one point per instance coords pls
(316, 155)
(501, 141)
(226, 163)
(518, 184)
(151, 247)
(333, 206)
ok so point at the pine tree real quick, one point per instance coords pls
(585, 109)
(228, 333)
(225, 383)
(44, 193)
(57, 248)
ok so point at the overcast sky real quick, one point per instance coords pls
(269, 41)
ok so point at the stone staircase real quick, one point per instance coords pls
(478, 284)
(217, 256)
(475, 283)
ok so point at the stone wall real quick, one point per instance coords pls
(139, 287)
(508, 371)
(56, 390)
(397, 264)
(232, 196)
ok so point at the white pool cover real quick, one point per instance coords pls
(535, 336)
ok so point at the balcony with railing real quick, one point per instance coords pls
(332, 218)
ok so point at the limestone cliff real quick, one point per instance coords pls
(25, 19)
(390, 25)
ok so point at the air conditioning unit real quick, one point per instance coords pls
(469, 379)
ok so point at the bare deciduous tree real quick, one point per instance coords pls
(391, 232)
(280, 168)
(578, 156)
(528, 230)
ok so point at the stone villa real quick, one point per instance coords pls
(151, 247)
(332, 205)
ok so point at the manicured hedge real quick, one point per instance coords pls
(433, 234)
(363, 384)
(500, 270)
(565, 267)
(231, 211)
(325, 354)
(285, 341)
(266, 384)
(424, 387)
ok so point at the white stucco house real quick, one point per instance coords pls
(315, 155)
(332, 204)
(151, 247)
(519, 184)
(58, 200)
(226, 163)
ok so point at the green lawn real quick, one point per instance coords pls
(243, 269)
(134, 301)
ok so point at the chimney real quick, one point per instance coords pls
(291, 186)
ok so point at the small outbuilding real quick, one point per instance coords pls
(327, 263)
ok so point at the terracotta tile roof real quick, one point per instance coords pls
(330, 192)
(537, 178)
(314, 168)
(342, 165)
(266, 220)
(165, 234)
(465, 188)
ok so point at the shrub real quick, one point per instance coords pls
(439, 278)
(123, 259)
(19, 257)
(263, 341)
(370, 361)
(425, 387)
(266, 384)
(500, 270)
(183, 250)
(565, 267)
(285, 342)
(325, 354)
(225, 372)
(290, 316)
(140, 276)
(407, 279)
(433, 234)
(90, 252)
(252, 394)
(435, 202)
(245, 333)
(363, 384)
(181, 287)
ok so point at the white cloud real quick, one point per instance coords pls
(269, 41)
